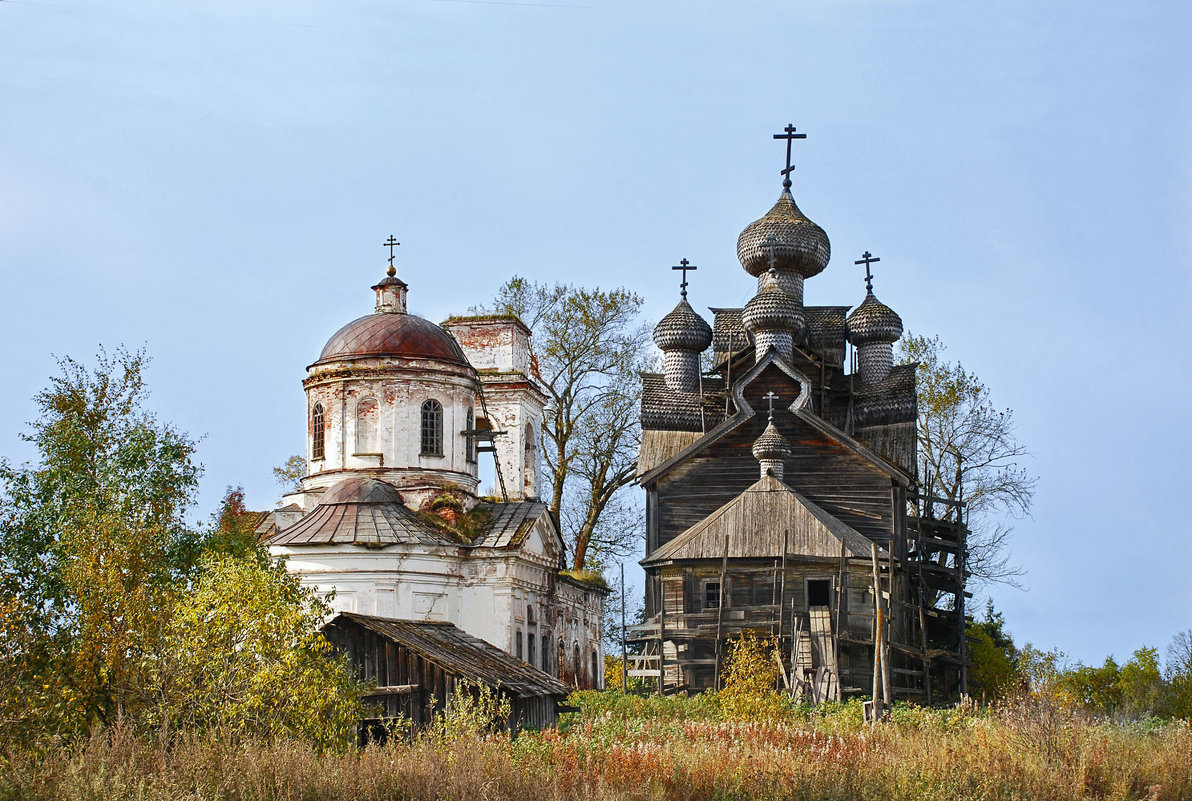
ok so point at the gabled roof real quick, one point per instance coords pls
(759, 524)
(745, 413)
(461, 654)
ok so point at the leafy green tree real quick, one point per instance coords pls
(234, 530)
(992, 674)
(1178, 673)
(968, 447)
(291, 472)
(244, 657)
(93, 540)
(588, 344)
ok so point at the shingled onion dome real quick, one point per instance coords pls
(798, 247)
(681, 336)
(873, 328)
(774, 317)
(770, 449)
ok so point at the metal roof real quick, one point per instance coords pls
(461, 654)
(384, 334)
(510, 524)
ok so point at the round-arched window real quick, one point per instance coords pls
(316, 432)
(432, 428)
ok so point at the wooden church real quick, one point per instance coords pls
(781, 490)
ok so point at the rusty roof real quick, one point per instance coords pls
(461, 654)
(383, 334)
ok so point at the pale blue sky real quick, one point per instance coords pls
(215, 179)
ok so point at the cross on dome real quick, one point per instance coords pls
(867, 258)
(770, 398)
(685, 266)
(391, 243)
(788, 133)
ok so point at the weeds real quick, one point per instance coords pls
(648, 748)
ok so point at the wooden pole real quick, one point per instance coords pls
(786, 533)
(877, 637)
(887, 696)
(624, 647)
(661, 632)
(720, 612)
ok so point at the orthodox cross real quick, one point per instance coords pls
(867, 259)
(771, 244)
(788, 133)
(770, 398)
(685, 266)
(391, 243)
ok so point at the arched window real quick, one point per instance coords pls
(469, 440)
(432, 428)
(316, 432)
(561, 664)
(595, 671)
(366, 425)
(546, 652)
(531, 443)
(577, 663)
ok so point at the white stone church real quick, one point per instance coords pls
(399, 412)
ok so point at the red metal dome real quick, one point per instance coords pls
(401, 335)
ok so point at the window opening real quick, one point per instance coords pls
(432, 428)
(711, 595)
(470, 441)
(819, 592)
(517, 642)
(316, 430)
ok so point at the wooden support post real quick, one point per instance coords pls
(782, 589)
(887, 696)
(720, 613)
(661, 633)
(877, 638)
(624, 646)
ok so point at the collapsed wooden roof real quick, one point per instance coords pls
(460, 654)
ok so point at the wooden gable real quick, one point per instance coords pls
(765, 521)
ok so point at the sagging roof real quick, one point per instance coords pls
(658, 446)
(764, 522)
(510, 524)
(461, 654)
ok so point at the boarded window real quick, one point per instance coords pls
(316, 432)
(432, 428)
(366, 425)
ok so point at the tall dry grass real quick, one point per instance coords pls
(610, 751)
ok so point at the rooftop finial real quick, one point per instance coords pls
(770, 398)
(867, 259)
(788, 133)
(685, 266)
(391, 243)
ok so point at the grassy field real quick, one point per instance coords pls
(647, 748)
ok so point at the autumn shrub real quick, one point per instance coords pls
(750, 678)
(473, 710)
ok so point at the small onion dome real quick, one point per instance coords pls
(873, 321)
(682, 329)
(771, 445)
(772, 308)
(798, 245)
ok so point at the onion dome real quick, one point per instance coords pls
(682, 329)
(873, 321)
(392, 335)
(798, 244)
(771, 445)
(772, 308)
